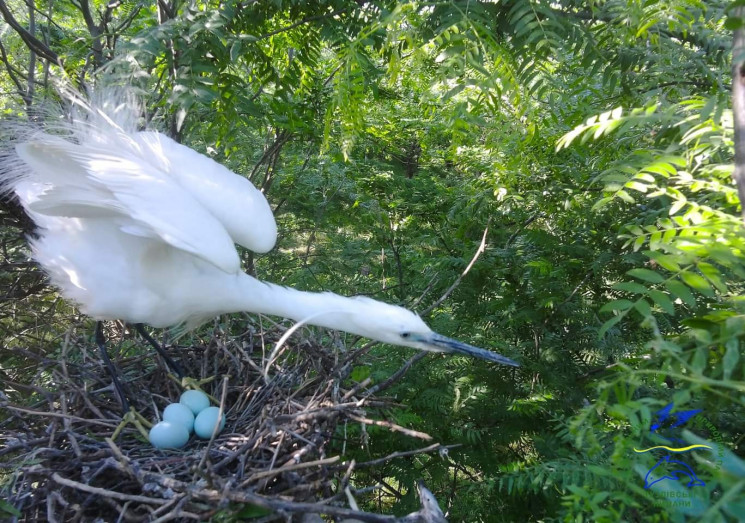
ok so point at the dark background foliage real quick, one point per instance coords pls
(590, 144)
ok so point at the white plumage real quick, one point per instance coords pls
(135, 226)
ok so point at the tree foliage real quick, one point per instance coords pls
(591, 143)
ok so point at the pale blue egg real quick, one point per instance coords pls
(181, 414)
(168, 435)
(196, 400)
(205, 422)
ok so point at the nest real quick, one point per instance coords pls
(279, 456)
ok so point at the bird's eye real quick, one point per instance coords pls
(405, 335)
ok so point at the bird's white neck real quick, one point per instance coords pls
(357, 315)
(324, 309)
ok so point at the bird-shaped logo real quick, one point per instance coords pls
(667, 467)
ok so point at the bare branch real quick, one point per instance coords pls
(397, 375)
(392, 426)
(12, 71)
(301, 22)
(437, 447)
(30, 40)
(479, 251)
(107, 493)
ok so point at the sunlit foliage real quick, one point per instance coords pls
(592, 141)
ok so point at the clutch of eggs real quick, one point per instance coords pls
(191, 414)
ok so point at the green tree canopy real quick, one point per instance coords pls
(589, 146)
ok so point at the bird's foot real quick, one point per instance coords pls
(188, 383)
(134, 418)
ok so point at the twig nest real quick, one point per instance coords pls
(196, 400)
(207, 420)
(180, 414)
(273, 428)
(168, 435)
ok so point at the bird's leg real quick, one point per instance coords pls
(169, 361)
(188, 383)
(135, 418)
(101, 342)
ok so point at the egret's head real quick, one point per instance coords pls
(398, 326)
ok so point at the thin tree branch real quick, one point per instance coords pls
(12, 71)
(107, 493)
(29, 95)
(527, 222)
(397, 375)
(479, 251)
(436, 447)
(30, 40)
(301, 22)
(128, 20)
(392, 426)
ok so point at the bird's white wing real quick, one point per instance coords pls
(232, 199)
(89, 181)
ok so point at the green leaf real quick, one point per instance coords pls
(733, 23)
(7, 508)
(678, 205)
(700, 359)
(235, 50)
(697, 282)
(713, 275)
(360, 373)
(663, 301)
(639, 243)
(617, 305)
(665, 261)
(679, 290)
(625, 196)
(600, 497)
(630, 286)
(646, 275)
(643, 307)
(252, 511)
(731, 357)
(608, 324)
(637, 186)
(733, 464)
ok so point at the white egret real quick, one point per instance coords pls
(135, 226)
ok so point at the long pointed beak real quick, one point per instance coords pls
(440, 343)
